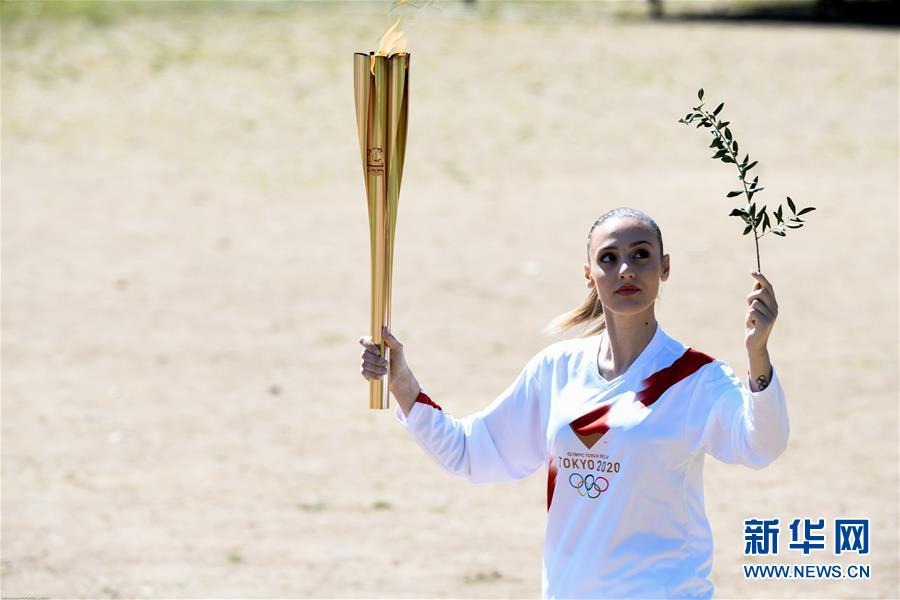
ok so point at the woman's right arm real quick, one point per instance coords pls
(505, 441)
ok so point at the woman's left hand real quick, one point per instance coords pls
(761, 314)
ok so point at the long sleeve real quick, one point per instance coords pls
(740, 426)
(505, 441)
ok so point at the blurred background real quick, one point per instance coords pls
(185, 275)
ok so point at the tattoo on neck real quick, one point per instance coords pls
(763, 382)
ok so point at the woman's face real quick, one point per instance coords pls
(625, 265)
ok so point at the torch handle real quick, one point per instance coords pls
(386, 387)
(379, 393)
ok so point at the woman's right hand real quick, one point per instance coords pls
(402, 382)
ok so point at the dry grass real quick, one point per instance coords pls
(185, 275)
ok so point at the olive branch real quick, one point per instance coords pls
(755, 220)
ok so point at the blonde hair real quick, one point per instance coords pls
(590, 311)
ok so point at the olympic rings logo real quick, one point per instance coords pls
(588, 485)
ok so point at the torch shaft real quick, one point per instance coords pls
(377, 183)
(381, 94)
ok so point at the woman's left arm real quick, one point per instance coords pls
(737, 425)
(762, 310)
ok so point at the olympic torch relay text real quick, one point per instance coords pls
(589, 474)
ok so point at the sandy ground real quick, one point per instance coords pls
(186, 272)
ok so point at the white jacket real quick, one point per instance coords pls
(625, 496)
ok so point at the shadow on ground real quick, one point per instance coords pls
(875, 13)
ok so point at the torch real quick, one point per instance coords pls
(381, 89)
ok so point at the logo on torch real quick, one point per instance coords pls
(376, 161)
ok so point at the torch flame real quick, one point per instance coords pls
(392, 42)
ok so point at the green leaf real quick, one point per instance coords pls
(727, 159)
(791, 204)
(725, 124)
(744, 162)
(756, 190)
(751, 165)
(735, 193)
(734, 145)
(718, 108)
(700, 94)
(797, 226)
(727, 134)
(736, 212)
(779, 232)
(778, 216)
(766, 224)
(748, 229)
(806, 210)
(719, 154)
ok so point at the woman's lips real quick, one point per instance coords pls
(627, 291)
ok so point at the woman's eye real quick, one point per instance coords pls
(608, 257)
(642, 254)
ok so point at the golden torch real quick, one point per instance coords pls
(381, 87)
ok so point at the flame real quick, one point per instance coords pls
(392, 42)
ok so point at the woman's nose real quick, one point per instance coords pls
(625, 271)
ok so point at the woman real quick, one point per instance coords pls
(622, 417)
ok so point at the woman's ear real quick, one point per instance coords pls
(587, 275)
(665, 268)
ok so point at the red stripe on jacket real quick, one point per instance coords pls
(654, 386)
(424, 399)
(551, 480)
(657, 384)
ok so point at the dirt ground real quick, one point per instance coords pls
(185, 274)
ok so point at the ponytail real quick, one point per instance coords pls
(590, 311)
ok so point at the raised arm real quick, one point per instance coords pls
(745, 422)
(762, 310)
(505, 441)
(736, 425)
